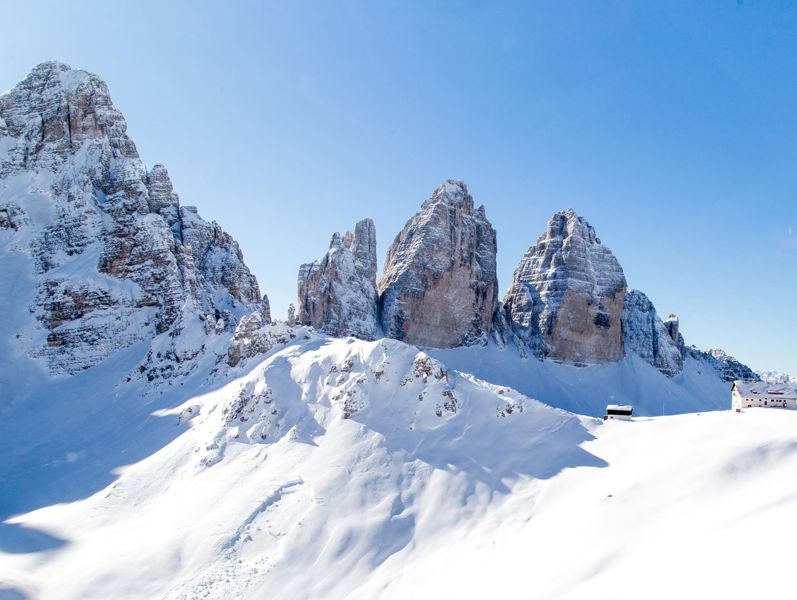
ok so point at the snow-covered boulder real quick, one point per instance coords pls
(439, 287)
(115, 259)
(567, 294)
(337, 294)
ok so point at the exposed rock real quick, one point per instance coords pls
(567, 294)
(116, 259)
(725, 365)
(647, 336)
(162, 199)
(337, 294)
(672, 324)
(439, 287)
(254, 336)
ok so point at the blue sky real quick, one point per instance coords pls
(671, 126)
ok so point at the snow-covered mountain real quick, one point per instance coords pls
(99, 248)
(567, 293)
(439, 287)
(777, 377)
(340, 468)
(161, 437)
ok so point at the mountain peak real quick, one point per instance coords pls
(567, 294)
(439, 287)
(452, 192)
(117, 260)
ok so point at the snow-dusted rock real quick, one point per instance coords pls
(726, 366)
(115, 258)
(439, 286)
(337, 294)
(254, 336)
(647, 336)
(567, 294)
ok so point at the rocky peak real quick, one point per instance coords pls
(672, 324)
(567, 294)
(162, 200)
(55, 111)
(115, 258)
(337, 294)
(726, 366)
(161, 191)
(439, 286)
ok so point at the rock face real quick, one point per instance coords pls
(726, 366)
(337, 294)
(255, 336)
(439, 287)
(116, 259)
(567, 295)
(647, 336)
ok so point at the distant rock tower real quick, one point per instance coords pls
(337, 294)
(439, 288)
(567, 295)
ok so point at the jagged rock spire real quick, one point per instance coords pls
(337, 294)
(439, 286)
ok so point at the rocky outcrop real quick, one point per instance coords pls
(726, 366)
(439, 287)
(254, 336)
(567, 295)
(337, 294)
(116, 259)
(647, 336)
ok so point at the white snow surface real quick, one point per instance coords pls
(589, 389)
(352, 469)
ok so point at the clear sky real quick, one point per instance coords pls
(671, 126)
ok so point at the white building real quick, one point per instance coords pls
(747, 394)
(622, 412)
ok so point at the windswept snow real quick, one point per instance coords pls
(345, 468)
(329, 457)
(588, 389)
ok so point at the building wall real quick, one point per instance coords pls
(767, 402)
(737, 401)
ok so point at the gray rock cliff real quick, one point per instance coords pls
(115, 258)
(337, 294)
(566, 297)
(650, 338)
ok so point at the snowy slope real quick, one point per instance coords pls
(587, 390)
(265, 480)
(343, 468)
(711, 516)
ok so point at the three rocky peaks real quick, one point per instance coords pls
(568, 300)
(75, 193)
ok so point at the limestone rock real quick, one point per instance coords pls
(115, 259)
(439, 287)
(337, 294)
(647, 336)
(567, 295)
